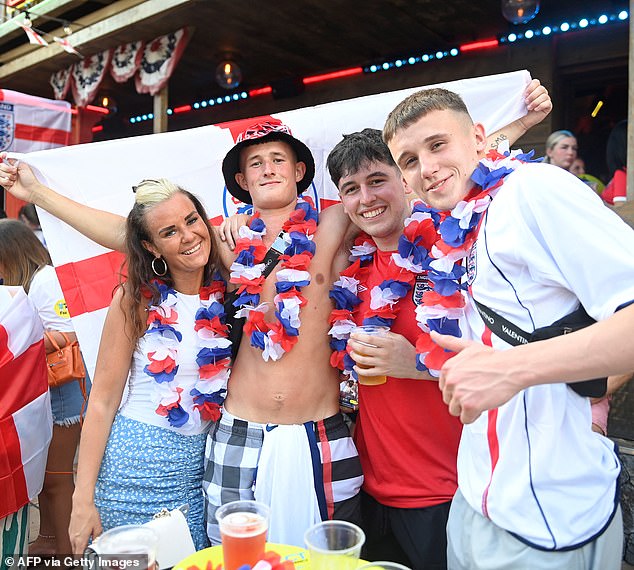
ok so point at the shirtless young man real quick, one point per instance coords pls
(300, 390)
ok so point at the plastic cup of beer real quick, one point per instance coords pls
(373, 330)
(334, 545)
(129, 546)
(243, 527)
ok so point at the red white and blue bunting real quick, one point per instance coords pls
(60, 82)
(126, 59)
(159, 60)
(87, 76)
(153, 65)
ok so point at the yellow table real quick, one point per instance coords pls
(299, 556)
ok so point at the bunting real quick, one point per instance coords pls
(159, 60)
(126, 59)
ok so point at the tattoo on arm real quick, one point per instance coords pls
(495, 143)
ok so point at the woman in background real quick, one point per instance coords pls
(25, 261)
(561, 149)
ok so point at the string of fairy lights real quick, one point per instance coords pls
(526, 34)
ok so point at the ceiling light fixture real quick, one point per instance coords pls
(228, 73)
(519, 11)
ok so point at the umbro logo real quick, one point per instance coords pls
(361, 288)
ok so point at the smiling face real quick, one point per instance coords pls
(437, 155)
(563, 153)
(270, 173)
(375, 200)
(180, 236)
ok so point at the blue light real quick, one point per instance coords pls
(203, 104)
(144, 117)
(565, 26)
(425, 58)
(244, 94)
(411, 60)
(512, 37)
(236, 96)
(373, 68)
(227, 98)
(132, 120)
(454, 52)
(151, 116)
(439, 55)
(386, 65)
(169, 111)
(138, 118)
(603, 19)
(398, 63)
(211, 102)
(219, 100)
(546, 30)
(528, 34)
(583, 23)
(196, 105)
(623, 15)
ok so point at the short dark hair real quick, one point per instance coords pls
(417, 105)
(354, 151)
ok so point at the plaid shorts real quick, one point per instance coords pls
(231, 459)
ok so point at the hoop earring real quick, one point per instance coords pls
(157, 273)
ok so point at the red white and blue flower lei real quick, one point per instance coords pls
(275, 338)
(163, 339)
(433, 242)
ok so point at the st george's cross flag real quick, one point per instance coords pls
(102, 174)
(26, 423)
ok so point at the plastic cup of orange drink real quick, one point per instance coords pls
(243, 528)
(373, 330)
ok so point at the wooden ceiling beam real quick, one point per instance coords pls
(97, 26)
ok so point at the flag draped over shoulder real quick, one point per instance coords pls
(102, 175)
(26, 423)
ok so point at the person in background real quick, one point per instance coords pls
(561, 149)
(28, 215)
(578, 168)
(25, 261)
(615, 192)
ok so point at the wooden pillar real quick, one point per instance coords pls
(630, 113)
(160, 110)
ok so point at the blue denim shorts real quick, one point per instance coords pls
(67, 402)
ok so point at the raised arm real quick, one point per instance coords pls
(480, 378)
(538, 104)
(105, 228)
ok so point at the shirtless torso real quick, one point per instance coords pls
(301, 386)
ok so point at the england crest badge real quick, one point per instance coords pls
(7, 126)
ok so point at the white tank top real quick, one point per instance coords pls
(140, 403)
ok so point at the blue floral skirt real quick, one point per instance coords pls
(146, 468)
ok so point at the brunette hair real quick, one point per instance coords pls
(140, 275)
(356, 150)
(417, 105)
(21, 253)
